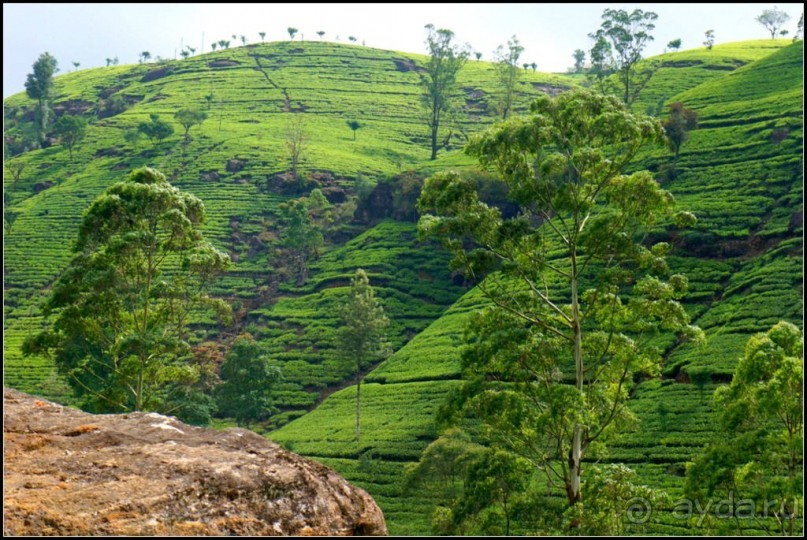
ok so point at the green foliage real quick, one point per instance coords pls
(354, 125)
(188, 118)
(439, 81)
(39, 86)
(678, 125)
(616, 505)
(674, 44)
(70, 130)
(576, 298)
(621, 38)
(506, 64)
(296, 141)
(745, 191)
(579, 59)
(301, 238)
(122, 306)
(248, 379)
(156, 129)
(760, 457)
(362, 337)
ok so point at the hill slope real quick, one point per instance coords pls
(741, 173)
(745, 266)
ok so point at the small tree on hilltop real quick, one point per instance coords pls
(628, 34)
(362, 337)
(439, 81)
(39, 86)
(70, 130)
(506, 65)
(321, 33)
(156, 129)
(772, 20)
(674, 44)
(710, 39)
(263, 35)
(296, 142)
(301, 239)
(248, 379)
(292, 32)
(579, 59)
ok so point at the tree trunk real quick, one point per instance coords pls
(358, 403)
(434, 142)
(576, 451)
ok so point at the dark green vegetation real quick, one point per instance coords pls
(740, 173)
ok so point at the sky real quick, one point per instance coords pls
(549, 33)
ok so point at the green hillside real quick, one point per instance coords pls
(744, 262)
(741, 173)
(257, 90)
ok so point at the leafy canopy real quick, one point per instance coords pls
(122, 306)
(576, 295)
(248, 379)
(439, 81)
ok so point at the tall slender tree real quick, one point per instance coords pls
(439, 81)
(39, 86)
(628, 34)
(362, 338)
(577, 296)
(506, 64)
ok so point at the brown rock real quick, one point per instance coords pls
(67, 472)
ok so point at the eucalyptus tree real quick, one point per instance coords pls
(439, 81)
(506, 65)
(627, 34)
(362, 336)
(39, 86)
(576, 298)
(122, 307)
(189, 117)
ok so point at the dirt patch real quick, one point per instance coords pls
(75, 107)
(403, 65)
(158, 73)
(223, 63)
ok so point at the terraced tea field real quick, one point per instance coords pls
(741, 173)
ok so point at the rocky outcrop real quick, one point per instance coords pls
(67, 472)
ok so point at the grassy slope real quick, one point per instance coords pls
(750, 279)
(740, 184)
(256, 91)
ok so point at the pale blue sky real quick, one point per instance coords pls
(89, 33)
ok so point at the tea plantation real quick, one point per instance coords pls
(740, 173)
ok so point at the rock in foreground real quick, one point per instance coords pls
(67, 472)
